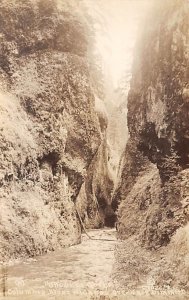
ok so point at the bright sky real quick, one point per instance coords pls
(116, 38)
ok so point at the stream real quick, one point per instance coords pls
(77, 272)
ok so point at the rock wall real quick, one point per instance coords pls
(157, 152)
(94, 202)
(49, 131)
(152, 195)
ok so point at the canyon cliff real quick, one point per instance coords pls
(51, 132)
(153, 192)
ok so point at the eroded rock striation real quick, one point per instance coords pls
(50, 131)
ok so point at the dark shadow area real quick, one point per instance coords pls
(51, 159)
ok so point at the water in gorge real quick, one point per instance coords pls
(78, 271)
(94, 146)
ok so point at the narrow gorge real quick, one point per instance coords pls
(94, 141)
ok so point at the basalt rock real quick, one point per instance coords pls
(50, 131)
(94, 202)
(152, 191)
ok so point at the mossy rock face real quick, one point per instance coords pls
(51, 131)
(151, 183)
